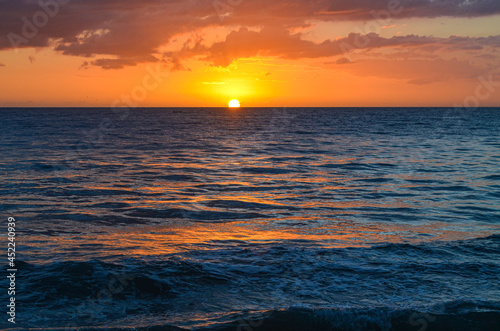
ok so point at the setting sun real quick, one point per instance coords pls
(234, 104)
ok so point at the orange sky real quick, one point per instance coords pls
(263, 53)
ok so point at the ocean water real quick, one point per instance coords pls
(253, 219)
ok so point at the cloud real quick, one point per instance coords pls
(122, 62)
(129, 30)
(364, 9)
(343, 60)
(119, 33)
(176, 64)
(279, 42)
(294, 13)
(2, 65)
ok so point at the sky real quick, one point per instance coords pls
(203, 53)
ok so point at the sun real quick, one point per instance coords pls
(234, 104)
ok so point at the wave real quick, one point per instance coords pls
(192, 215)
(382, 318)
(268, 171)
(292, 285)
(245, 205)
(468, 316)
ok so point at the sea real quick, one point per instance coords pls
(252, 218)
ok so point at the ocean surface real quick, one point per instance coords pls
(253, 219)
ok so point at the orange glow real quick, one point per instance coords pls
(259, 81)
(182, 236)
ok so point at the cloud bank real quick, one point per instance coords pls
(118, 33)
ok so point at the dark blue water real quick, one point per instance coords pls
(254, 219)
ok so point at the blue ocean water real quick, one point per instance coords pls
(254, 219)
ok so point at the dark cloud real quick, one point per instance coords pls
(364, 9)
(132, 31)
(122, 62)
(288, 13)
(2, 65)
(129, 30)
(469, 43)
(279, 42)
(85, 65)
(343, 60)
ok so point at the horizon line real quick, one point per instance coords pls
(239, 108)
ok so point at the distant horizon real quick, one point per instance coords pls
(249, 107)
